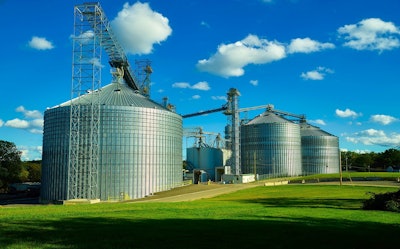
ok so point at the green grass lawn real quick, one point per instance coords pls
(350, 176)
(291, 216)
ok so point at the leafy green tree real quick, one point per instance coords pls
(392, 157)
(363, 161)
(348, 158)
(10, 164)
(34, 169)
(370, 161)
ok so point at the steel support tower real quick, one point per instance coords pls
(143, 72)
(86, 79)
(233, 111)
(92, 33)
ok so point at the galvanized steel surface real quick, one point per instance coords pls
(320, 151)
(206, 159)
(271, 145)
(140, 148)
(116, 94)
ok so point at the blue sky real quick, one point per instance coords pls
(337, 62)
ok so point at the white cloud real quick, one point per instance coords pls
(312, 75)
(318, 121)
(355, 123)
(383, 119)
(17, 123)
(85, 37)
(317, 74)
(36, 131)
(96, 62)
(181, 85)
(306, 45)
(1, 123)
(33, 124)
(138, 28)
(28, 113)
(254, 82)
(30, 152)
(362, 151)
(24, 154)
(202, 85)
(196, 96)
(36, 123)
(205, 24)
(219, 98)
(375, 137)
(40, 43)
(371, 34)
(230, 59)
(347, 113)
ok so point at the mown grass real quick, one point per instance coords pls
(351, 176)
(292, 216)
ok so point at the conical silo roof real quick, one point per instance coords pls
(310, 130)
(268, 118)
(116, 94)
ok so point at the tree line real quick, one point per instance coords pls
(371, 161)
(13, 170)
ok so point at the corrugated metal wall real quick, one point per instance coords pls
(320, 154)
(55, 154)
(140, 152)
(271, 147)
(206, 159)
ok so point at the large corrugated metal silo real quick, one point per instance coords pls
(270, 144)
(140, 148)
(320, 150)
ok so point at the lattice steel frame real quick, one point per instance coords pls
(233, 102)
(86, 78)
(143, 72)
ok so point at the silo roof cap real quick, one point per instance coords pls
(116, 94)
(310, 130)
(268, 118)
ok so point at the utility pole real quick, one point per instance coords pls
(340, 169)
(255, 165)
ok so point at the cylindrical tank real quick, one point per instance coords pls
(206, 159)
(270, 144)
(140, 147)
(320, 151)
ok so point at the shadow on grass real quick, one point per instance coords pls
(269, 232)
(349, 204)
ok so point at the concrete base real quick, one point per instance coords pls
(245, 178)
(80, 201)
(276, 183)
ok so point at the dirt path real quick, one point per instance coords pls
(196, 192)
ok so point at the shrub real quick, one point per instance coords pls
(386, 202)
